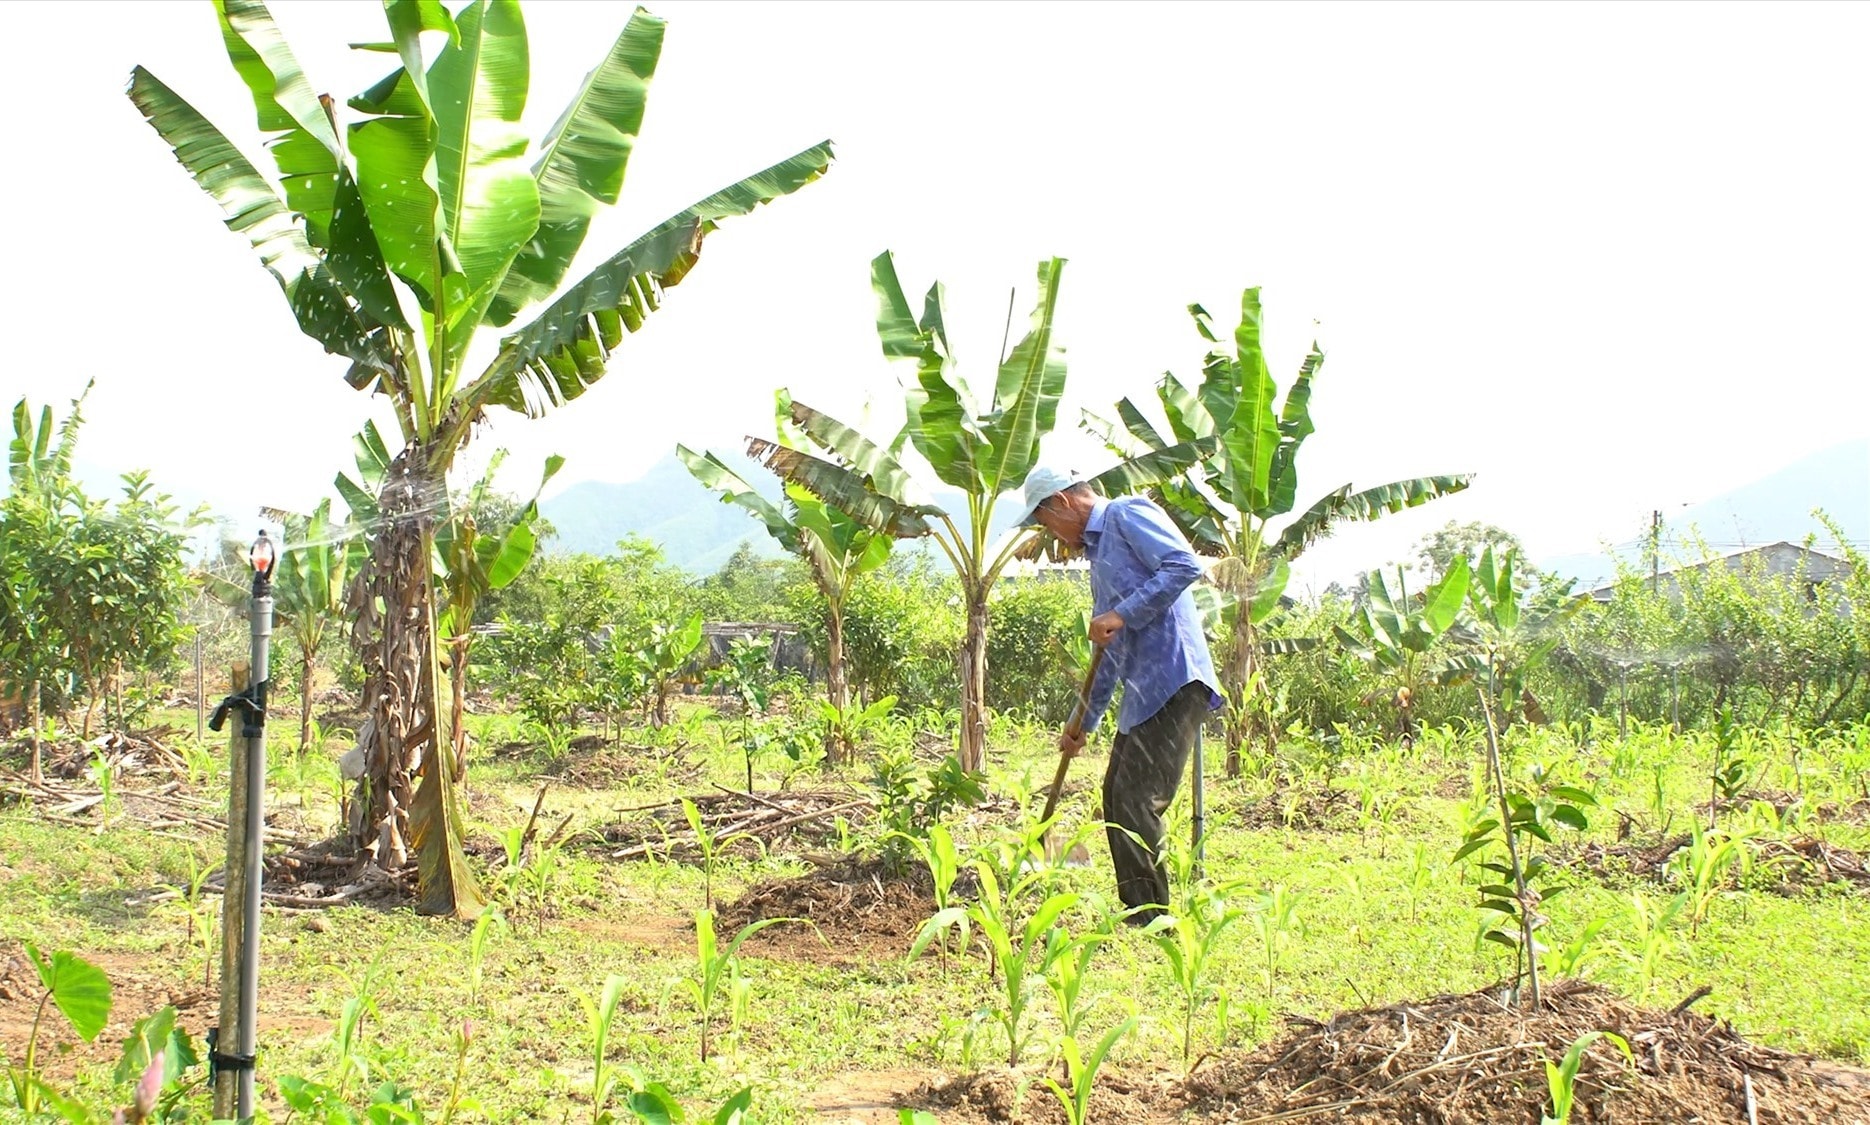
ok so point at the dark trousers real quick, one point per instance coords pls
(1146, 766)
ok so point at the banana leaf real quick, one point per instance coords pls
(567, 346)
(581, 167)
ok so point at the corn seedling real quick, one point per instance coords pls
(1706, 867)
(709, 845)
(347, 1041)
(1067, 962)
(1081, 1071)
(1279, 926)
(1421, 873)
(1651, 937)
(490, 920)
(599, 1014)
(1188, 937)
(717, 966)
(105, 778)
(1570, 961)
(1018, 949)
(943, 859)
(76, 988)
(1561, 1078)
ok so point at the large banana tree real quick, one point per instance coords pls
(984, 448)
(397, 238)
(837, 547)
(1227, 504)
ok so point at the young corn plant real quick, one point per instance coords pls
(943, 860)
(1278, 923)
(1574, 956)
(717, 967)
(1067, 962)
(1651, 942)
(1706, 867)
(1189, 936)
(599, 1014)
(1020, 946)
(1081, 1071)
(490, 921)
(710, 846)
(1561, 1078)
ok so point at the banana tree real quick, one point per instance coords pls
(836, 546)
(316, 564)
(1226, 504)
(1392, 633)
(396, 239)
(471, 561)
(981, 448)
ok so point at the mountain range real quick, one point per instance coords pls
(698, 532)
(1776, 507)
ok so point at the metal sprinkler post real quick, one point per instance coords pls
(1200, 809)
(235, 1068)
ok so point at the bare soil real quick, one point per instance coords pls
(138, 986)
(1312, 809)
(860, 911)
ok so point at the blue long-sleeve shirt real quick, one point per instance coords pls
(1141, 567)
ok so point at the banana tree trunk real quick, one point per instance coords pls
(837, 685)
(405, 799)
(1241, 679)
(974, 683)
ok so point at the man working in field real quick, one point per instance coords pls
(1141, 568)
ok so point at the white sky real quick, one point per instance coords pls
(1609, 257)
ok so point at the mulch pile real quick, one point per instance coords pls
(1456, 1060)
(733, 819)
(1796, 864)
(858, 908)
(1465, 1060)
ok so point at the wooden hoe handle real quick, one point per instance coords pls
(1074, 727)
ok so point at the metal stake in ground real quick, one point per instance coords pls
(251, 703)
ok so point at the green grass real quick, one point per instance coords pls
(1785, 969)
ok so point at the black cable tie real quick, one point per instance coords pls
(218, 1062)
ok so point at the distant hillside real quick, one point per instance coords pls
(696, 530)
(1774, 508)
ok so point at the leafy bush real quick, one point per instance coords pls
(902, 628)
(1029, 667)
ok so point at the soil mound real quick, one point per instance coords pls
(1466, 1060)
(1022, 1096)
(860, 910)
